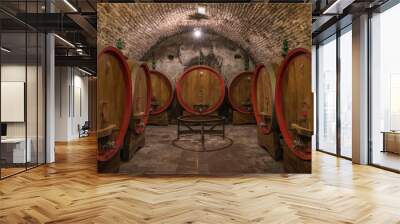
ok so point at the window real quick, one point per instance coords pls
(314, 90)
(385, 89)
(327, 95)
(394, 111)
(334, 106)
(22, 88)
(346, 92)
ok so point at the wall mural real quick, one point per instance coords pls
(219, 91)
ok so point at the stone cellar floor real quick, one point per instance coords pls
(160, 157)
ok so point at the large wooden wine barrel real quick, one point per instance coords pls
(114, 103)
(141, 100)
(141, 94)
(200, 90)
(263, 97)
(162, 92)
(263, 87)
(239, 92)
(294, 108)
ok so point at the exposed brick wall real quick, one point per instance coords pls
(258, 28)
(176, 53)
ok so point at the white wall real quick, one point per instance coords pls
(12, 73)
(79, 117)
(70, 83)
(61, 103)
(16, 73)
(33, 126)
(13, 100)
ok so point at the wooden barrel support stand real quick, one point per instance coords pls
(239, 94)
(294, 110)
(263, 89)
(113, 108)
(141, 102)
(162, 96)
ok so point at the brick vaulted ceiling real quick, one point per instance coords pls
(258, 28)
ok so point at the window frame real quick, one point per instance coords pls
(337, 34)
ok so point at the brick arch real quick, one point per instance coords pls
(183, 35)
(258, 27)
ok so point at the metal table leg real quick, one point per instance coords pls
(213, 121)
(202, 136)
(179, 129)
(223, 129)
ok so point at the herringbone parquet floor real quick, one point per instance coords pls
(70, 191)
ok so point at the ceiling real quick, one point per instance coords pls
(39, 6)
(256, 27)
(253, 26)
(73, 20)
(23, 48)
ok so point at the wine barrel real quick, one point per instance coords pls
(162, 92)
(294, 107)
(263, 87)
(141, 100)
(141, 94)
(200, 90)
(239, 92)
(114, 103)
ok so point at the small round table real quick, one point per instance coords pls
(208, 124)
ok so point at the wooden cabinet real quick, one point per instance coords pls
(391, 142)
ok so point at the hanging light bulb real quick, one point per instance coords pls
(201, 10)
(197, 33)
